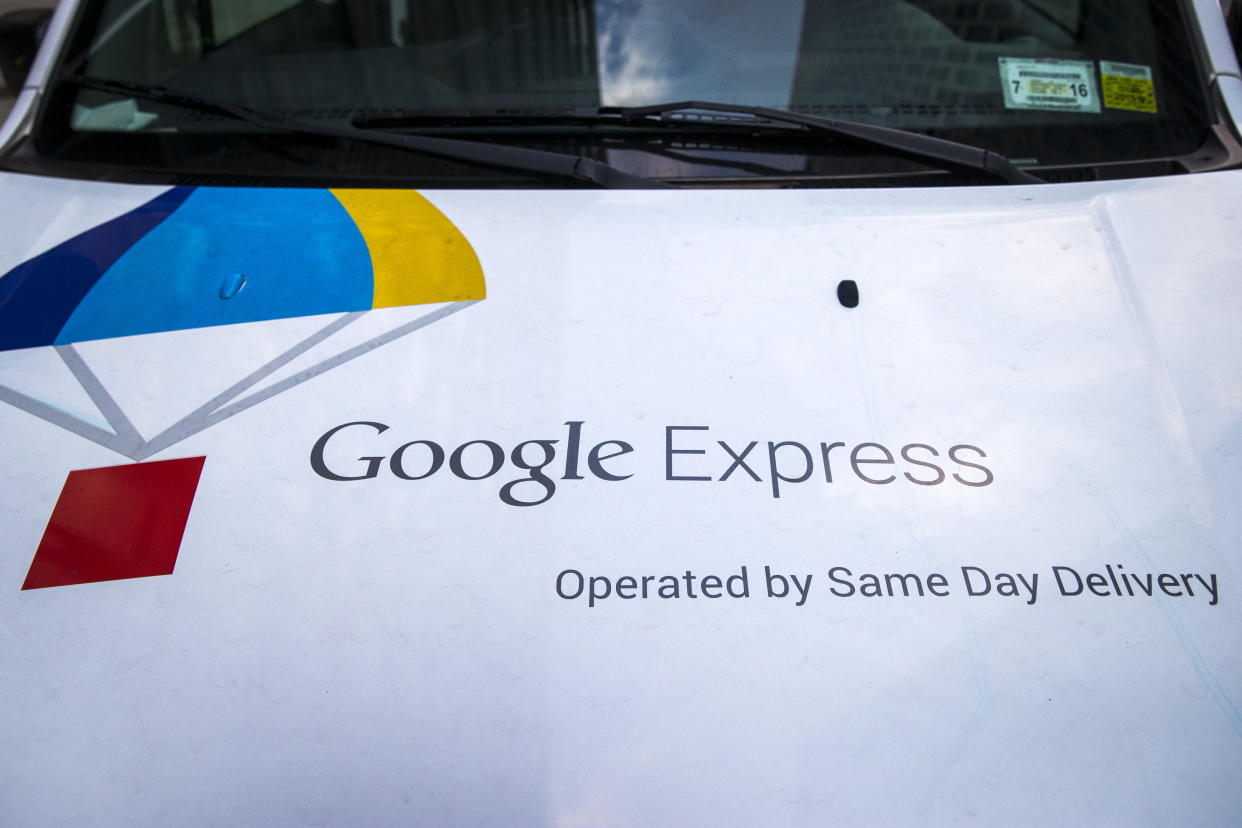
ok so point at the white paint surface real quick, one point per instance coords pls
(390, 652)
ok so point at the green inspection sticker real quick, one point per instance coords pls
(1127, 86)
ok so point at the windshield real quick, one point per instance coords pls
(1044, 82)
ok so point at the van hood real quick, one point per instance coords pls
(451, 473)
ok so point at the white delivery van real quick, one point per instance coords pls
(609, 412)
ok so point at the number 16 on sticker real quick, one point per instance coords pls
(1078, 90)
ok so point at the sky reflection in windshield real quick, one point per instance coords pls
(737, 52)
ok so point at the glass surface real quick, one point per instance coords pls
(1105, 80)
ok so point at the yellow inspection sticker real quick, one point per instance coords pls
(1127, 86)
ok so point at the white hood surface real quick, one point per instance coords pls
(1035, 408)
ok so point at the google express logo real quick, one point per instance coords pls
(193, 258)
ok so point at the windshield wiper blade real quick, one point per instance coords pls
(914, 145)
(937, 152)
(513, 159)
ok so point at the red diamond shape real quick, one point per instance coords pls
(116, 522)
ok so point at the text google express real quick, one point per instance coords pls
(356, 451)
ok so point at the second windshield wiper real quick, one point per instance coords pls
(514, 159)
(914, 145)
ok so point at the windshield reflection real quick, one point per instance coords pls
(737, 52)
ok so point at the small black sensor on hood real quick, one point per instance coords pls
(847, 293)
